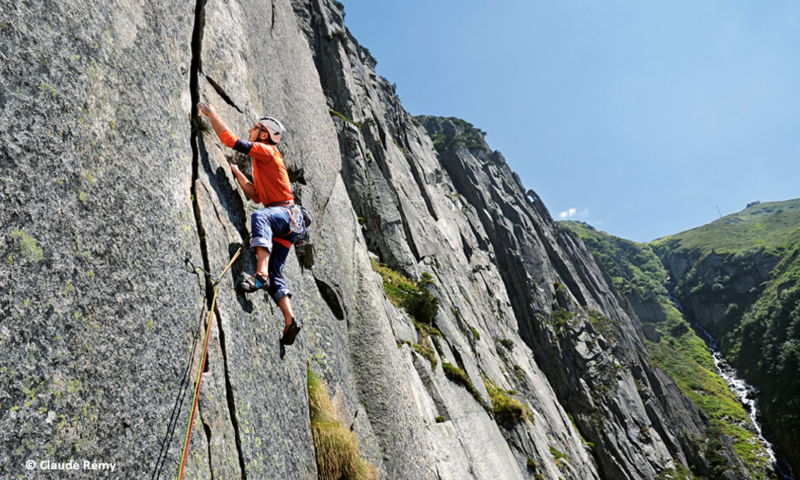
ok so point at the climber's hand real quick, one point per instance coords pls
(206, 109)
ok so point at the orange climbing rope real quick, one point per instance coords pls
(199, 380)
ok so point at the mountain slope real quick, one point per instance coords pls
(738, 277)
(675, 347)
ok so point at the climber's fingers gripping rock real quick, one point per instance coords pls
(206, 109)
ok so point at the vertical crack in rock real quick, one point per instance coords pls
(230, 399)
(197, 38)
(207, 431)
(194, 88)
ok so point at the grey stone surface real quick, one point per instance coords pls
(107, 185)
(97, 313)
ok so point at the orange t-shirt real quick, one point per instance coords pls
(270, 179)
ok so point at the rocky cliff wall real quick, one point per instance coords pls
(109, 182)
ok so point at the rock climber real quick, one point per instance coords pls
(271, 226)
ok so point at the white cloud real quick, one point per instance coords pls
(568, 214)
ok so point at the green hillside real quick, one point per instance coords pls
(633, 266)
(770, 226)
(639, 274)
(739, 277)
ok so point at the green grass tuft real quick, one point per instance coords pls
(338, 456)
(460, 376)
(507, 410)
(425, 349)
(418, 301)
(558, 455)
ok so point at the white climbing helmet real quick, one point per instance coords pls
(274, 128)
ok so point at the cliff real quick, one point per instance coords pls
(110, 181)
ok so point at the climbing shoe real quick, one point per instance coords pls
(290, 332)
(257, 282)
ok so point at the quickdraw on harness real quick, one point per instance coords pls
(200, 369)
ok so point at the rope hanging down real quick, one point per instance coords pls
(183, 387)
(202, 366)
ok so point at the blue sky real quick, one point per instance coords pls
(640, 117)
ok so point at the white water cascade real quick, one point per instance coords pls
(743, 391)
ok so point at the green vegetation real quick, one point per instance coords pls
(469, 138)
(769, 226)
(760, 330)
(459, 376)
(506, 343)
(338, 457)
(369, 55)
(440, 419)
(360, 124)
(425, 349)
(475, 333)
(765, 345)
(27, 245)
(202, 126)
(507, 410)
(404, 293)
(632, 265)
(678, 472)
(401, 147)
(606, 326)
(532, 464)
(558, 456)
(342, 37)
(572, 420)
(712, 395)
(560, 317)
(439, 141)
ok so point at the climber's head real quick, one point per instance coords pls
(269, 130)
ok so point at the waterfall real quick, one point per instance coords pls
(744, 391)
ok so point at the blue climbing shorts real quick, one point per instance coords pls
(270, 229)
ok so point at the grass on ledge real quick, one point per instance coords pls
(338, 456)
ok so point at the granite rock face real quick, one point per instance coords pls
(109, 182)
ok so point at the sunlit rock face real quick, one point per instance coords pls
(110, 183)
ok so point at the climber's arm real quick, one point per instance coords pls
(229, 139)
(247, 186)
(216, 121)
